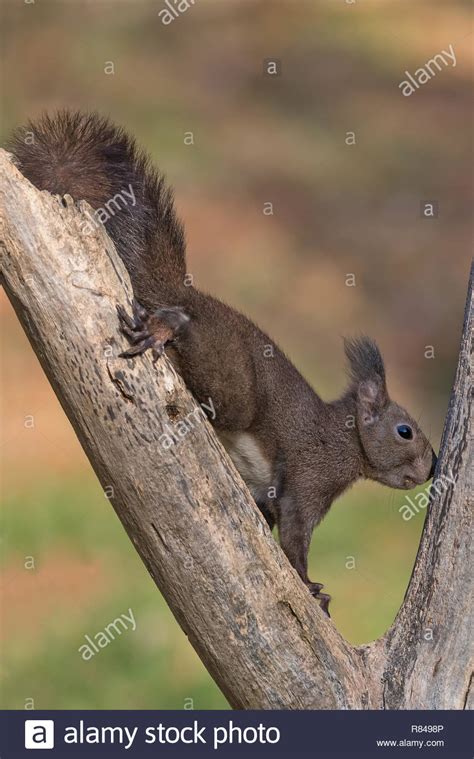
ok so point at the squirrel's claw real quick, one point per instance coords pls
(135, 323)
(126, 321)
(139, 348)
(136, 330)
(139, 312)
(145, 330)
(315, 587)
(323, 598)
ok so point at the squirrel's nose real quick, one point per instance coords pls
(434, 461)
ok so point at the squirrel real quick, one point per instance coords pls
(296, 452)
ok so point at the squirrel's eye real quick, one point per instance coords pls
(405, 431)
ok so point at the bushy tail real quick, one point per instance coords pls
(86, 156)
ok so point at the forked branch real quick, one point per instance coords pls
(258, 631)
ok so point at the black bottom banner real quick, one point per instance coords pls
(277, 734)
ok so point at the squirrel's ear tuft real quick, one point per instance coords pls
(367, 373)
(365, 360)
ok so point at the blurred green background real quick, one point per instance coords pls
(339, 210)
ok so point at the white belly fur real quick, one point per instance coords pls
(249, 459)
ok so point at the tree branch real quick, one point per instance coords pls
(429, 646)
(258, 631)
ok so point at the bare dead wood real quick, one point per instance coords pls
(189, 515)
(429, 648)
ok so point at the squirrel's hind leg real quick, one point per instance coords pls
(154, 330)
(294, 540)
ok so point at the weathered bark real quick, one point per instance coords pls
(429, 647)
(189, 515)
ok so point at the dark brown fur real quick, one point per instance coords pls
(305, 451)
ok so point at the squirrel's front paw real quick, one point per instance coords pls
(323, 598)
(154, 330)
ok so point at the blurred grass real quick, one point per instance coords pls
(338, 209)
(71, 524)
